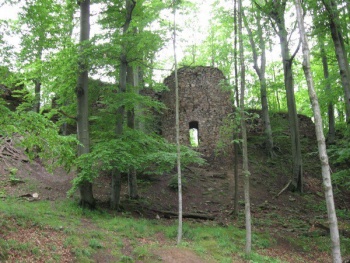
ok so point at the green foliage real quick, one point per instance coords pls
(95, 244)
(43, 140)
(4, 247)
(231, 128)
(39, 136)
(126, 259)
(173, 183)
(194, 141)
(339, 154)
(13, 176)
(146, 153)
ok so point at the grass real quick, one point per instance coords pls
(87, 232)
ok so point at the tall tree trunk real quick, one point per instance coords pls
(37, 81)
(139, 83)
(132, 177)
(260, 71)
(69, 26)
(86, 195)
(246, 173)
(115, 189)
(340, 51)
(332, 218)
(177, 126)
(292, 116)
(331, 118)
(235, 134)
(287, 61)
(275, 11)
(37, 98)
(116, 174)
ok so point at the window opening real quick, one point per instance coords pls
(194, 133)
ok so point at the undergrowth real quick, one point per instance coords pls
(87, 232)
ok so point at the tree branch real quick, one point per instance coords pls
(296, 51)
(67, 115)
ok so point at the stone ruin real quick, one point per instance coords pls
(203, 104)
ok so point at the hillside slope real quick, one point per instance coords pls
(295, 224)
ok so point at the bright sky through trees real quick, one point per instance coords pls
(193, 24)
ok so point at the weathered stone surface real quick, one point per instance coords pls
(203, 103)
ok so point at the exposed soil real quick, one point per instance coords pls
(207, 191)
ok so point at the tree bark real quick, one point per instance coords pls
(115, 189)
(37, 98)
(116, 174)
(177, 127)
(246, 173)
(332, 218)
(331, 118)
(139, 83)
(132, 176)
(37, 81)
(260, 71)
(186, 215)
(340, 52)
(86, 194)
(276, 14)
(293, 118)
(236, 135)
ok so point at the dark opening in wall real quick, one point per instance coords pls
(194, 133)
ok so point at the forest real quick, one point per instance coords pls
(83, 91)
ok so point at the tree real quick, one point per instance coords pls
(125, 47)
(85, 186)
(246, 172)
(331, 117)
(116, 174)
(236, 100)
(132, 80)
(38, 27)
(340, 51)
(260, 71)
(177, 127)
(332, 218)
(275, 10)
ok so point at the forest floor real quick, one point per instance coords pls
(295, 224)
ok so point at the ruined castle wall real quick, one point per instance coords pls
(203, 102)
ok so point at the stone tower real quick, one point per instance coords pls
(203, 105)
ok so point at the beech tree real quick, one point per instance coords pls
(275, 11)
(132, 79)
(42, 28)
(177, 127)
(236, 100)
(246, 173)
(85, 185)
(327, 183)
(260, 71)
(116, 174)
(330, 111)
(340, 51)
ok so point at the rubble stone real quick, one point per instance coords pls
(203, 104)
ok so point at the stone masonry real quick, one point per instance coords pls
(203, 105)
